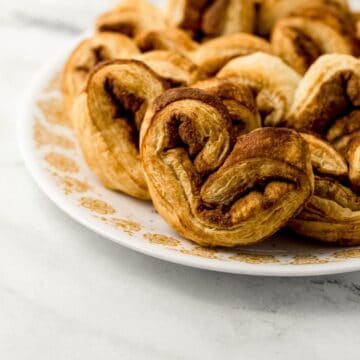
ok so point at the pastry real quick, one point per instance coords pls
(212, 18)
(131, 17)
(273, 82)
(327, 97)
(91, 51)
(107, 119)
(333, 212)
(270, 11)
(212, 55)
(174, 68)
(299, 41)
(214, 188)
(239, 101)
(170, 38)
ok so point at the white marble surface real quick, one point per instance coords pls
(66, 293)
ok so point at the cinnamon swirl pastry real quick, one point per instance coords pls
(273, 82)
(107, 119)
(239, 101)
(131, 17)
(299, 41)
(328, 97)
(333, 212)
(174, 68)
(170, 38)
(205, 18)
(212, 55)
(270, 11)
(100, 47)
(215, 189)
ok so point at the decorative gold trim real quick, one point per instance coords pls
(97, 206)
(61, 162)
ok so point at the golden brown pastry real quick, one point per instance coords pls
(273, 82)
(215, 189)
(176, 69)
(333, 212)
(328, 97)
(212, 55)
(170, 38)
(270, 11)
(239, 101)
(131, 17)
(100, 47)
(212, 18)
(107, 119)
(299, 41)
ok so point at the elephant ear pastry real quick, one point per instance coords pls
(216, 189)
(273, 82)
(333, 212)
(131, 17)
(239, 101)
(212, 55)
(270, 11)
(328, 92)
(212, 18)
(90, 52)
(170, 38)
(174, 68)
(299, 41)
(107, 120)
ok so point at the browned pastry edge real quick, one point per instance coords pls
(193, 167)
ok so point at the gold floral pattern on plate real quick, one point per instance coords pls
(97, 206)
(307, 260)
(347, 254)
(53, 110)
(252, 258)
(61, 162)
(201, 252)
(43, 137)
(162, 240)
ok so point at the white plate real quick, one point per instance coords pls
(54, 160)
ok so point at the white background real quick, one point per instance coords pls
(66, 293)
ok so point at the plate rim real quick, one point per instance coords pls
(24, 126)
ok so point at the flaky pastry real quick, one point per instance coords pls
(107, 120)
(169, 38)
(239, 101)
(131, 17)
(212, 18)
(213, 188)
(333, 212)
(328, 94)
(176, 69)
(273, 82)
(212, 55)
(90, 52)
(270, 11)
(299, 41)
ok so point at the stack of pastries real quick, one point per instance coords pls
(235, 118)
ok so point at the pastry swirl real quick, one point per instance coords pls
(170, 38)
(239, 101)
(328, 97)
(107, 120)
(214, 188)
(212, 55)
(270, 11)
(176, 69)
(273, 82)
(212, 18)
(131, 17)
(333, 212)
(299, 41)
(90, 52)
